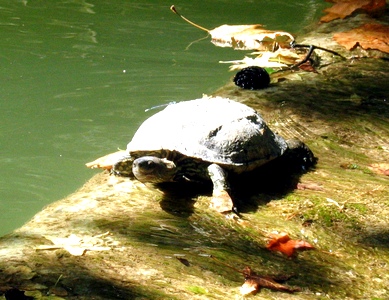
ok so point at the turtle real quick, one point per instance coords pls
(203, 140)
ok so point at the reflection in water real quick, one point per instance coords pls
(85, 34)
(77, 77)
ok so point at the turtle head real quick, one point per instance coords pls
(153, 169)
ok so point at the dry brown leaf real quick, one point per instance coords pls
(245, 37)
(308, 67)
(343, 8)
(184, 261)
(250, 37)
(368, 36)
(278, 59)
(254, 282)
(281, 242)
(310, 186)
(255, 37)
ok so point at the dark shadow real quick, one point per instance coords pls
(77, 277)
(228, 246)
(249, 190)
(179, 198)
(272, 181)
(379, 238)
(339, 93)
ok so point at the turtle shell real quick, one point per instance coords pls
(214, 130)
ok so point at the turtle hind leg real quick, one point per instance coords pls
(221, 200)
(298, 156)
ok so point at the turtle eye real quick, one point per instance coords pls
(150, 164)
(146, 164)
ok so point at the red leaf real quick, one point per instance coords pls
(343, 8)
(282, 243)
(368, 36)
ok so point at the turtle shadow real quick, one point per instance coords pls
(249, 190)
(179, 198)
(272, 181)
(379, 238)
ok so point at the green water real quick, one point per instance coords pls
(77, 76)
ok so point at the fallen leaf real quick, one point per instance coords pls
(184, 261)
(380, 168)
(343, 8)
(308, 67)
(368, 36)
(310, 186)
(250, 37)
(254, 282)
(278, 59)
(255, 37)
(245, 37)
(281, 242)
(106, 162)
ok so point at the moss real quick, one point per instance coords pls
(197, 290)
(343, 212)
(359, 207)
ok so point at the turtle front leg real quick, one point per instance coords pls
(221, 200)
(123, 166)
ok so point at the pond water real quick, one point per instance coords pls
(78, 75)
